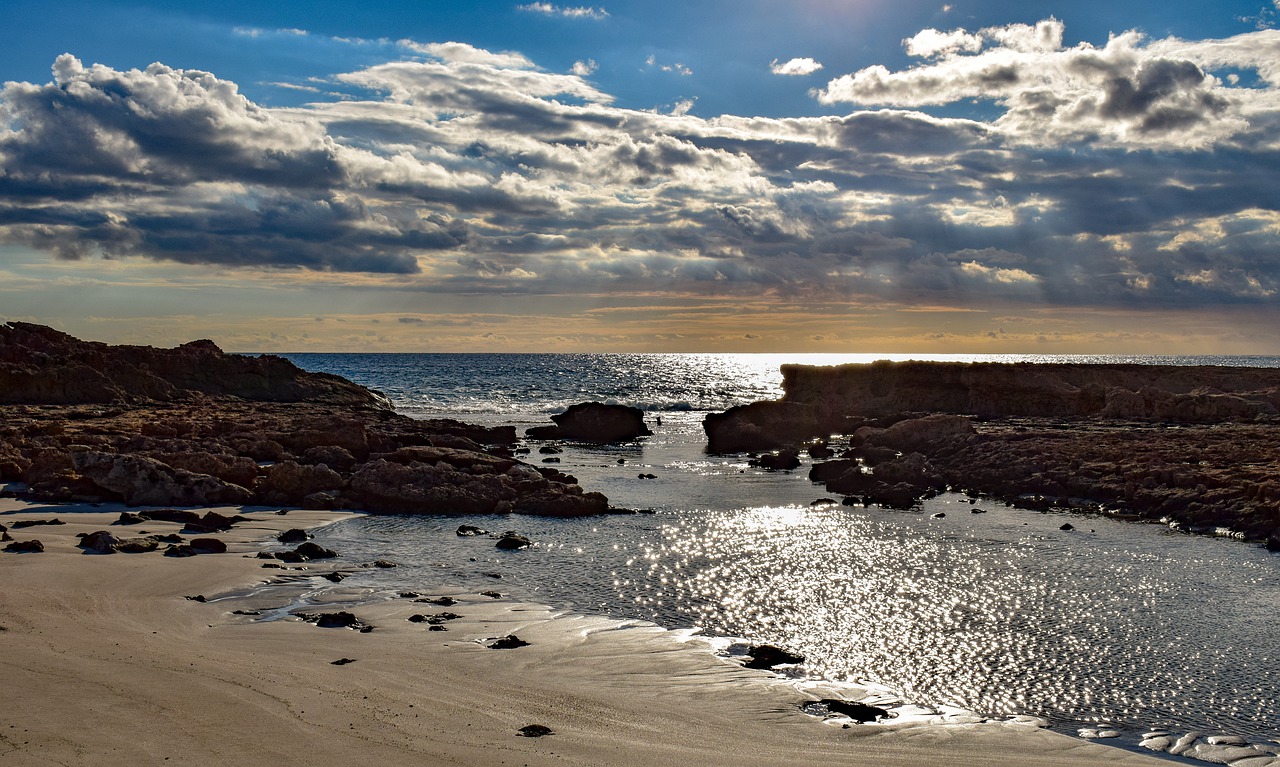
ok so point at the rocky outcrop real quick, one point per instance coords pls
(594, 422)
(173, 435)
(1166, 393)
(40, 365)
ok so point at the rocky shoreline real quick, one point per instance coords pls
(1194, 447)
(191, 426)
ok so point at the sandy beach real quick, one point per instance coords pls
(106, 663)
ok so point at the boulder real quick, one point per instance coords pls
(767, 425)
(287, 483)
(512, 541)
(141, 481)
(293, 535)
(208, 546)
(858, 712)
(508, 642)
(32, 546)
(595, 422)
(100, 542)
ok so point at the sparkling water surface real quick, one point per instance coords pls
(1001, 612)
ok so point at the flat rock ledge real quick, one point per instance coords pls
(1194, 447)
(192, 426)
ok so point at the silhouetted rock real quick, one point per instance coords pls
(766, 656)
(783, 460)
(594, 422)
(100, 542)
(534, 731)
(508, 642)
(858, 712)
(293, 535)
(767, 425)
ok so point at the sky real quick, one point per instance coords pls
(851, 176)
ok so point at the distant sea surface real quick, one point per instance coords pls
(1115, 625)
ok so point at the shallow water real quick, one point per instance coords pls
(1000, 612)
(1126, 624)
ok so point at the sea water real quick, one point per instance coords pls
(959, 603)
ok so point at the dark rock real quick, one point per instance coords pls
(25, 523)
(408, 595)
(940, 515)
(491, 594)
(549, 450)
(442, 601)
(293, 535)
(100, 542)
(180, 550)
(137, 545)
(342, 661)
(141, 481)
(1273, 543)
(783, 460)
(508, 642)
(858, 712)
(466, 531)
(417, 618)
(553, 459)
(824, 502)
(765, 425)
(439, 618)
(25, 547)
(129, 518)
(169, 538)
(595, 422)
(291, 557)
(246, 612)
(511, 541)
(311, 550)
(534, 731)
(383, 563)
(336, 577)
(436, 628)
(342, 619)
(201, 598)
(207, 546)
(766, 656)
(1067, 526)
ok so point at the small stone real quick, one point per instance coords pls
(467, 531)
(534, 731)
(1067, 526)
(512, 541)
(342, 661)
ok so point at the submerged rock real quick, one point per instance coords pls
(512, 541)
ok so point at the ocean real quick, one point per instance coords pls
(1112, 626)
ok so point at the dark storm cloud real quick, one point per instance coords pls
(1128, 174)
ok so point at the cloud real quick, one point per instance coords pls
(467, 172)
(569, 12)
(805, 66)
(1130, 93)
(584, 67)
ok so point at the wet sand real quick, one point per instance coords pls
(104, 662)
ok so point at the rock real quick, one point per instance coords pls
(918, 434)
(491, 594)
(25, 523)
(129, 518)
(293, 535)
(40, 365)
(765, 425)
(1067, 526)
(595, 422)
(342, 661)
(342, 619)
(140, 481)
(207, 546)
(212, 522)
(467, 531)
(180, 550)
(201, 598)
(508, 642)
(859, 712)
(310, 550)
(766, 656)
(1273, 543)
(137, 545)
(534, 731)
(512, 541)
(32, 546)
(288, 483)
(100, 542)
(384, 564)
(783, 460)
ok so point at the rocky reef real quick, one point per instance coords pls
(192, 426)
(1195, 447)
